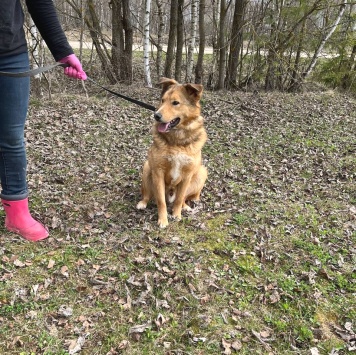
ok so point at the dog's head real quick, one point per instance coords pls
(179, 104)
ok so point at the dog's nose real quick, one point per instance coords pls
(158, 116)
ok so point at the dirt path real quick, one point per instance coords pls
(136, 47)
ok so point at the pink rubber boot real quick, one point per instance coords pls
(19, 220)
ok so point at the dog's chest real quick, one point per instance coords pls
(178, 162)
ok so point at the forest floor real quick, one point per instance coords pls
(264, 264)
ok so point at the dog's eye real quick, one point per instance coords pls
(175, 103)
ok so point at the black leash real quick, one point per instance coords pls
(40, 70)
(137, 102)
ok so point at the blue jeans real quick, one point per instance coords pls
(14, 98)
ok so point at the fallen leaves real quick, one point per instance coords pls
(75, 345)
(229, 346)
(136, 331)
(50, 264)
(274, 228)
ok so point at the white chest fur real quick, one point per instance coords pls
(178, 161)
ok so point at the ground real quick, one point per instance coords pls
(264, 264)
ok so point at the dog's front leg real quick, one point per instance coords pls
(180, 198)
(160, 197)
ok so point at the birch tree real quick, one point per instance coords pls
(324, 40)
(146, 43)
(192, 39)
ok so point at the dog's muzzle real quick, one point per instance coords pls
(158, 116)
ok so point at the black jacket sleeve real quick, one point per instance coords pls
(45, 17)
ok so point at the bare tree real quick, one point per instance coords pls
(146, 44)
(171, 39)
(159, 38)
(215, 42)
(224, 6)
(99, 42)
(122, 40)
(192, 39)
(349, 77)
(199, 65)
(180, 42)
(236, 44)
(324, 40)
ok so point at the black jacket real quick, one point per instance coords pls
(43, 13)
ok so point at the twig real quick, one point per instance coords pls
(257, 335)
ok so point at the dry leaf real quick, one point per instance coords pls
(139, 328)
(265, 334)
(76, 345)
(65, 311)
(19, 263)
(236, 345)
(123, 345)
(50, 264)
(227, 346)
(64, 271)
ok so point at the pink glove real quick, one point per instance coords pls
(74, 70)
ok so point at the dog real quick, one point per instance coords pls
(173, 171)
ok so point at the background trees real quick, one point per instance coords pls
(229, 44)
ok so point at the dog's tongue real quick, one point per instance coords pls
(163, 127)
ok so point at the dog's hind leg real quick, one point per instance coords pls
(197, 184)
(146, 187)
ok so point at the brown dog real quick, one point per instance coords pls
(173, 171)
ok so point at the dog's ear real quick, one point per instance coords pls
(166, 84)
(194, 90)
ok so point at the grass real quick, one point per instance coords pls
(267, 259)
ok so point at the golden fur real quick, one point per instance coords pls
(173, 171)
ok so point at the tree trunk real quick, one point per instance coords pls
(296, 79)
(96, 34)
(146, 53)
(215, 40)
(199, 66)
(159, 39)
(236, 44)
(347, 80)
(171, 39)
(273, 76)
(222, 45)
(128, 41)
(122, 40)
(180, 42)
(191, 42)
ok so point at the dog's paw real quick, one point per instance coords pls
(177, 217)
(186, 207)
(162, 223)
(141, 205)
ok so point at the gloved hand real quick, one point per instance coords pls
(74, 70)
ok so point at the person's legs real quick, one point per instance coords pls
(14, 97)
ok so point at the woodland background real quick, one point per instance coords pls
(274, 44)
